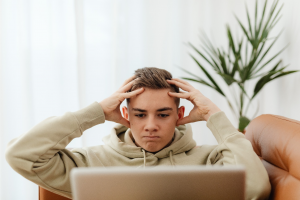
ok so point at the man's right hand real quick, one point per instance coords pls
(111, 105)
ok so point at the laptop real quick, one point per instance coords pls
(159, 183)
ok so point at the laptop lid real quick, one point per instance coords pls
(180, 182)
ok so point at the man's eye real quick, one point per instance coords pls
(140, 115)
(163, 115)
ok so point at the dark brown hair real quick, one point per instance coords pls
(154, 78)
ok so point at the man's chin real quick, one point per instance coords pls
(152, 149)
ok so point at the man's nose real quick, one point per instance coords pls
(151, 125)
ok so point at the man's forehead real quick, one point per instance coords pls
(153, 99)
(154, 93)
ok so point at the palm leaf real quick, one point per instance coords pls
(261, 21)
(238, 58)
(246, 54)
(267, 78)
(213, 59)
(265, 53)
(285, 73)
(274, 68)
(235, 67)
(260, 84)
(223, 62)
(208, 44)
(186, 71)
(272, 25)
(270, 60)
(249, 21)
(214, 67)
(243, 28)
(243, 123)
(243, 89)
(231, 42)
(199, 81)
(276, 15)
(265, 30)
(227, 78)
(208, 76)
(255, 20)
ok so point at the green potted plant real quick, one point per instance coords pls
(243, 62)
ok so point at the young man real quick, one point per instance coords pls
(153, 132)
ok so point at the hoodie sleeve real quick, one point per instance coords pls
(234, 149)
(40, 155)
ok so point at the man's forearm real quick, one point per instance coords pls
(237, 150)
(36, 152)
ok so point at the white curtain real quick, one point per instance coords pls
(62, 55)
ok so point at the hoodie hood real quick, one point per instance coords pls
(120, 140)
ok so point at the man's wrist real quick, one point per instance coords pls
(103, 109)
(210, 113)
(90, 116)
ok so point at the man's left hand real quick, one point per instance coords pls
(203, 107)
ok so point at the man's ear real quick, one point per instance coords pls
(125, 112)
(180, 112)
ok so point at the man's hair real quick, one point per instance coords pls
(153, 78)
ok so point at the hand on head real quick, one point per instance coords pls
(111, 105)
(203, 107)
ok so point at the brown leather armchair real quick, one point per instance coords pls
(47, 195)
(276, 140)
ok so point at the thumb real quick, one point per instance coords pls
(184, 120)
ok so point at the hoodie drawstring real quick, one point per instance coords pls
(144, 157)
(171, 158)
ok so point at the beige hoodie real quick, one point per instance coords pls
(40, 155)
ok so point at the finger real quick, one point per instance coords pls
(183, 95)
(126, 87)
(182, 81)
(125, 122)
(128, 80)
(184, 120)
(133, 93)
(181, 85)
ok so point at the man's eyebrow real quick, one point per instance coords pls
(164, 109)
(138, 109)
(159, 110)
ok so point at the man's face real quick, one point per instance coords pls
(153, 115)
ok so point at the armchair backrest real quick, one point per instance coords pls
(276, 140)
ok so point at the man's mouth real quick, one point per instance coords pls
(151, 137)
